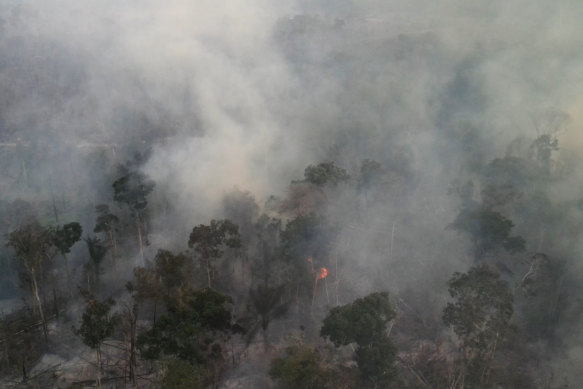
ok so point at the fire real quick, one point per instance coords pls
(323, 273)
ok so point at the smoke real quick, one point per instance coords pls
(246, 94)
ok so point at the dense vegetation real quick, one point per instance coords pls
(389, 229)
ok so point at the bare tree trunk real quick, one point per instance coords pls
(134, 320)
(53, 200)
(266, 344)
(24, 374)
(208, 272)
(98, 352)
(39, 304)
(139, 225)
(113, 247)
(68, 275)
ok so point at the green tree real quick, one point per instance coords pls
(542, 149)
(32, 245)
(325, 173)
(365, 322)
(480, 316)
(169, 281)
(488, 230)
(97, 324)
(97, 251)
(63, 238)
(106, 223)
(195, 333)
(179, 374)
(301, 368)
(267, 304)
(133, 189)
(209, 241)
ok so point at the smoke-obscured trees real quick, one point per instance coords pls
(489, 230)
(132, 189)
(325, 173)
(63, 239)
(106, 223)
(96, 250)
(97, 324)
(32, 245)
(208, 241)
(170, 280)
(480, 316)
(266, 305)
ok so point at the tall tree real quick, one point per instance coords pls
(106, 223)
(365, 322)
(133, 189)
(209, 240)
(32, 245)
(480, 316)
(195, 333)
(97, 251)
(170, 280)
(267, 304)
(97, 324)
(325, 173)
(488, 230)
(64, 238)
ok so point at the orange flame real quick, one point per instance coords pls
(323, 272)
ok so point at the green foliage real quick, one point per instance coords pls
(488, 230)
(267, 304)
(31, 244)
(133, 189)
(174, 272)
(63, 238)
(325, 173)
(480, 316)
(208, 240)
(97, 251)
(181, 374)
(300, 368)
(192, 332)
(376, 362)
(169, 280)
(365, 322)
(306, 236)
(147, 285)
(97, 322)
(106, 221)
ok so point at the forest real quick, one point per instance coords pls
(321, 195)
